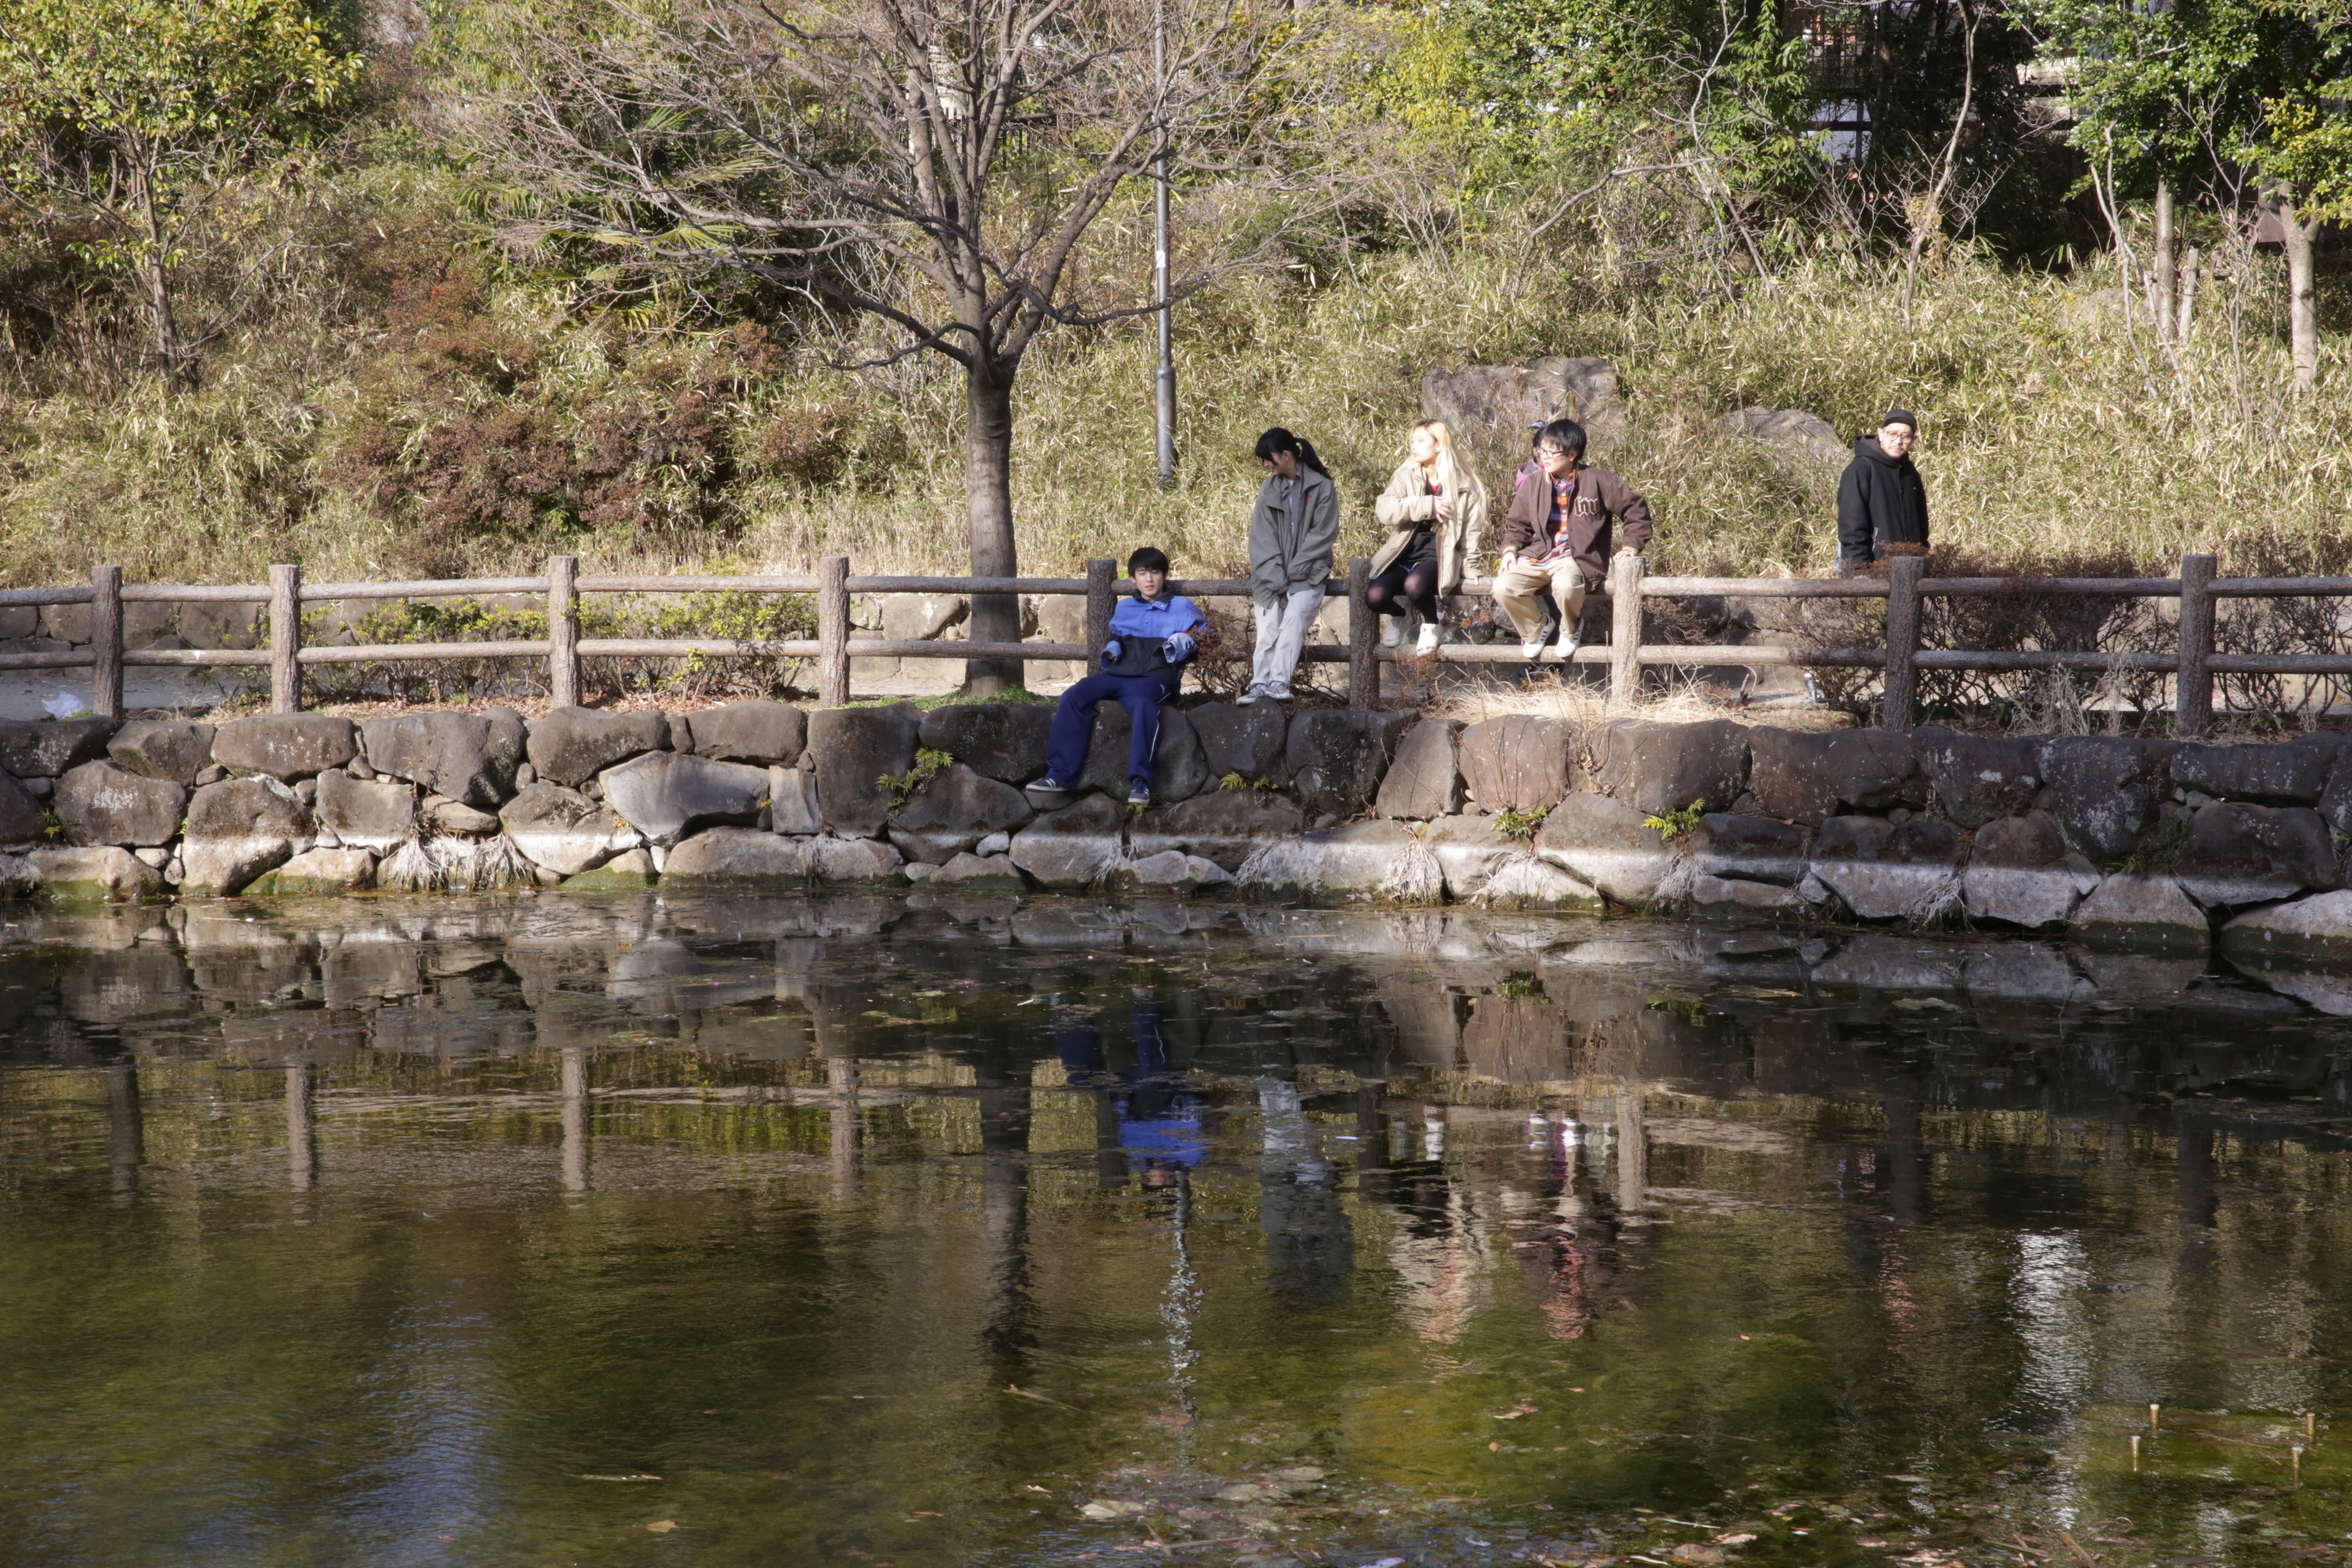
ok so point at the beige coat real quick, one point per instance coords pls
(1407, 505)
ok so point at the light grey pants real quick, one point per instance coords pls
(1283, 619)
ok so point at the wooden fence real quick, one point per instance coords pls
(1904, 588)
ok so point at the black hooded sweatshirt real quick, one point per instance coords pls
(1879, 502)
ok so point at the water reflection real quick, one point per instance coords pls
(395, 1222)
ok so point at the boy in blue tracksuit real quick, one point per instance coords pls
(1143, 664)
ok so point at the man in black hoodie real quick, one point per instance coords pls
(1881, 502)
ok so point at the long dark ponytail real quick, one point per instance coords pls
(1280, 440)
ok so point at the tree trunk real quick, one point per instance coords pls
(2302, 296)
(2164, 276)
(2184, 319)
(988, 506)
(170, 351)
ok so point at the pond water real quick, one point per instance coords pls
(724, 1230)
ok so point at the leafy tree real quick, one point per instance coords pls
(133, 124)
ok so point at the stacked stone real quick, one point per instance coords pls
(2135, 843)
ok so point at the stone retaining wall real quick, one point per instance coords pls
(2134, 842)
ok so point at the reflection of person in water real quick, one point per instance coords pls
(1157, 1123)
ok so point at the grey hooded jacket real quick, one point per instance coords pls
(1293, 531)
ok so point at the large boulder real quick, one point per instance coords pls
(1527, 881)
(1978, 778)
(1178, 770)
(1500, 402)
(854, 747)
(979, 874)
(2240, 854)
(2293, 774)
(2022, 871)
(835, 859)
(162, 749)
(238, 829)
(1888, 872)
(1788, 430)
(470, 758)
(572, 745)
(1468, 849)
(1660, 767)
(1810, 776)
(559, 830)
(2146, 913)
(952, 811)
(377, 814)
(758, 731)
(1741, 848)
(2107, 790)
(20, 815)
(106, 875)
(792, 802)
(1003, 740)
(1608, 844)
(743, 855)
(98, 803)
(315, 873)
(45, 748)
(1354, 859)
(2314, 931)
(1072, 847)
(1425, 779)
(1244, 740)
(1520, 762)
(1222, 825)
(285, 745)
(1337, 757)
(666, 795)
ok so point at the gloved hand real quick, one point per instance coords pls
(1179, 646)
(1111, 651)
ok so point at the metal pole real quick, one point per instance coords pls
(1166, 400)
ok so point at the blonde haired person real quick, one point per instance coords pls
(1435, 510)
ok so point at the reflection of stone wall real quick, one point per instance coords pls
(2137, 845)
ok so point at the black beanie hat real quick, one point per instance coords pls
(1901, 416)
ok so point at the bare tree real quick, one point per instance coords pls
(931, 166)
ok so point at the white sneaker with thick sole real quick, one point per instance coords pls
(1392, 632)
(1428, 642)
(1568, 647)
(1533, 648)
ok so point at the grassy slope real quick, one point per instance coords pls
(2048, 432)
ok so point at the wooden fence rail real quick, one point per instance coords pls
(1904, 588)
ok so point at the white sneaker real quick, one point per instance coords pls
(1532, 648)
(1428, 642)
(1568, 647)
(1278, 694)
(1255, 694)
(1392, 630)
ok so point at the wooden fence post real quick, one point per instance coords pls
(1624, 631)
(1902, 689)
(1363, 637)
(832, 631)
(2193, 686)
(106, 641)
(1102, 598)
(563, 630)
(285, 639)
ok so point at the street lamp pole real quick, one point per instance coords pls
(1166, 400)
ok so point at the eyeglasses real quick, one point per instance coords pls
(1548, 450)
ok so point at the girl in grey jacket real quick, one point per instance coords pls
(1293, 530)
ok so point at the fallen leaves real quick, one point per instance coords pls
(660, 1527)
(1112, 1508)
(1516, 1411)
(637, 1477)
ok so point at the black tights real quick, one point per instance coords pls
(1389, 592)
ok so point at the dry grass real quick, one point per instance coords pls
(337, 431)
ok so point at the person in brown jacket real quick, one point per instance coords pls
(1556, 537)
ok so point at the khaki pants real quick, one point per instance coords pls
(1520, 584)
